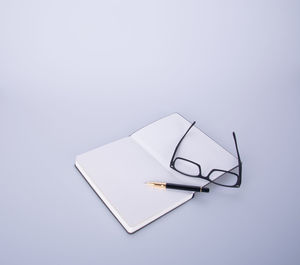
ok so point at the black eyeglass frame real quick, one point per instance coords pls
(239, 175)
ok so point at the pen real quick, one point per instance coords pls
(163, 185)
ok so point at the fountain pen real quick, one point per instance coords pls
(163, 185)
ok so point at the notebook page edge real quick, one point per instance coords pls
(102, 197)
(171, 208)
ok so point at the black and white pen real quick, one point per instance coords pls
(163, 185)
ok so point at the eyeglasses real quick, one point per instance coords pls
(192, 169)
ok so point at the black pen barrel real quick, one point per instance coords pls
(186, 187)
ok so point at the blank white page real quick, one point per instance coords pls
(161, 137)
(118, 172)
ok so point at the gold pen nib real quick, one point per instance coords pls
(160, 185)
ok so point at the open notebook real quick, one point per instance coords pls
(118, 171)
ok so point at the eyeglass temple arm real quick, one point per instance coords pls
(236, 147)
(180, 142)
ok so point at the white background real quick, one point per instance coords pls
(75, 75)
